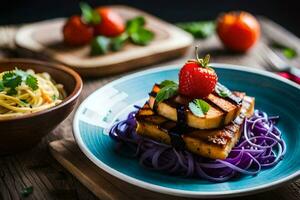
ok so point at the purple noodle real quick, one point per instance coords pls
(260, 146)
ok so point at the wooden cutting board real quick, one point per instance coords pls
(45, 38)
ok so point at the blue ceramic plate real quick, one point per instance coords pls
(112, 102)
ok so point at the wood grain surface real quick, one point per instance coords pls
(50, 180)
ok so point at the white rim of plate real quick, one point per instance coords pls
(166, 190)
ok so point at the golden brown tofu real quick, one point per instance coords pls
(215, 143)
(221, 112)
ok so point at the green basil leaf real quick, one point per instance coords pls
(32, 82)
(89, 15)
(117, 43)
(222, 91)
(142, 36)
(168, 89)
(201, 29)
(137, 33)
(199, 107)
(100, 45)
(167, 83)
(133, 25)
(27, 191)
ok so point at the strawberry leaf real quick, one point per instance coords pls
(199, 107)
(206, 60)
(89, 15)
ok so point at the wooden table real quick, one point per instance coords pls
(50, 180)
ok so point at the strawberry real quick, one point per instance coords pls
(76, 32)
(197, 79)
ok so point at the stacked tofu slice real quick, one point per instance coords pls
(212, 136)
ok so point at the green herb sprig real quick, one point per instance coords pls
(199, 107)
(135, 32)
(168, 89)
(288, 52)
(200, 29)
(12, 79)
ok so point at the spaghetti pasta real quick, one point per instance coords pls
(27, 92)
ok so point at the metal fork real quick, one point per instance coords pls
(276, 63)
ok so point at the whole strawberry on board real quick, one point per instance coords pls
(76, 32)
(196, 78)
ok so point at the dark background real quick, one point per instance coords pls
(284, 12)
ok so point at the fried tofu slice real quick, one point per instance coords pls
(214, 144)
(222, 111)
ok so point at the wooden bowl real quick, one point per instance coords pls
(23, 132)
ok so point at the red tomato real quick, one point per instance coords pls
(76, 32)
(238, 30)
(111, 24)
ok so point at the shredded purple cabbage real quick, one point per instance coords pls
(260, 146)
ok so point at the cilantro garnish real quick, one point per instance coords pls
(12, 79)
(199, 107)
(222, 91)
(167, 90)
(1, 86)
(32, 82)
